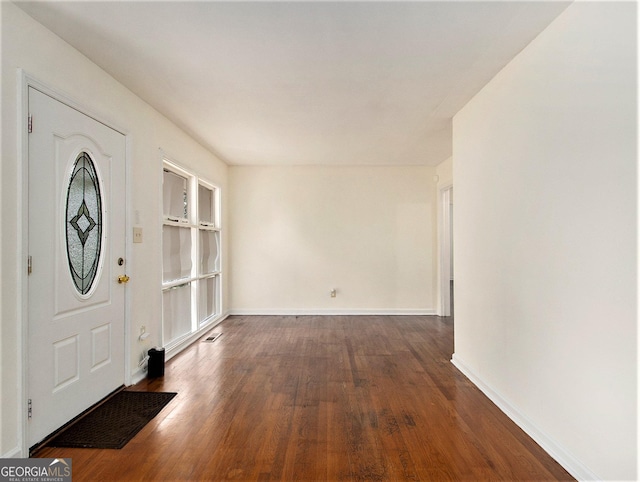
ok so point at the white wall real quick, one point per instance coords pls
(28, 45)
(297, 232)
(546, 290)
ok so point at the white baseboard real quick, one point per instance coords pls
(570, 463)
(14, 453)
(407, 312)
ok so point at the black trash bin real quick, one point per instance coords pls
(156, 362)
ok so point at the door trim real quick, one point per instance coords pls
(24, 82)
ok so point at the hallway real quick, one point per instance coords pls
(321, 398)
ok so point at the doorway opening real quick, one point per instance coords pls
(445, 264)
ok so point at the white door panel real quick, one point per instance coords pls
(76, 235)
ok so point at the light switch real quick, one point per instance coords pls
(137, 235)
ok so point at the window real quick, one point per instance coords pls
(191, 264)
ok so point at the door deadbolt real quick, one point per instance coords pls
(120, 261)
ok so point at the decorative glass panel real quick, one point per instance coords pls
(83, 223)
(176, 253)
(209, 251)
(205, 205)
(174, 195)
(176, 312)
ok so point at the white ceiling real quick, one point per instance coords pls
(264, 83)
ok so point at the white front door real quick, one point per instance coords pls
(76, 246)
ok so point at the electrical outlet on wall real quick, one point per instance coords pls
(333, 292)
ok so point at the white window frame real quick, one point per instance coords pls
(213, 227)
(195, 277)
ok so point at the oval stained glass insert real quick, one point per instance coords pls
(84, 223)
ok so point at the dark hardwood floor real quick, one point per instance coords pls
(330, 398)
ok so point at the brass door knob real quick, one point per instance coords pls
(123, 279)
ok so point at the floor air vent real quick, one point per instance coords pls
(212, 337)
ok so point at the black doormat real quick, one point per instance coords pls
(115, 422)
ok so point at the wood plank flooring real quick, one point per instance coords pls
(336, 398)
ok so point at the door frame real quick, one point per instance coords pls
(444, 249)
(25, 81)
